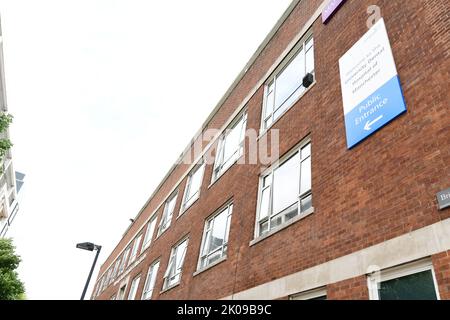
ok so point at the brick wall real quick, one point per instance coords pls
(350, 289)
(441, 264)
(382, 188)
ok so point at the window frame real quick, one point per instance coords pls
(301, 196)
(147, 279)
(310, 294)
(146, 242)
(120, 293)
(116, 268)
(136, 280)
(123, 265)
(173, 196)
(229, 206)
(172, 257)
(187, 203)
(135, 248)
(375, 279)
(300, 46)
(219, 167)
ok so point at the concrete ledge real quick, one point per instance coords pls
(412, 246)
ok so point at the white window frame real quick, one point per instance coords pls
(108, 277)
(219, 168)
(161, 228)
(149, 291)
(187, 203)
(149, 233)
(134, 286)
(229, 208)
(300, 197)
(123, 264)
(116, 269)
(120, 293)
(135, 249)
(172, 259)
(300, 46)
(310, 294)
(374, 279)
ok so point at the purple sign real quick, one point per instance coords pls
(330, 9)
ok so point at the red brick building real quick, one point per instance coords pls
(325, 220)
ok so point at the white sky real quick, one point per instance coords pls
(105, 95)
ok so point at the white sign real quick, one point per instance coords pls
(370, 85)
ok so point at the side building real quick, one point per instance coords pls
(356, 95)
(8, 190)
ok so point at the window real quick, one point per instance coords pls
(286, 85)
(415, 281)
(98, 289)
(134, 251)
(133, 288)
(108, 277)
(192, 190)
(116, 269)
(121, 293)
(231, 145)
(124, 260)
(286, 191)
(173, 273)
(150, 282)
(166, 219)
(149, 233)
(316, 294)
(104, 282)
(215, 237)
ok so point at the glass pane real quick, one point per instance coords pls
(286, 184)
(268, 122)
(171, 206)
(232, 142)
(173, 280)
(133, 289)
(195, 183)
(310, 60)
(267, 180)
(291, 212)
(276, 221)
(289, 102)
(419, 286)
(207, 242)
(149, 233)
(181, 250)
(229, 212)
(290, 79)
(218, 232)
(151, 279)
(309, 43)
(269, 104)
(306, 151)
(265, 199)
(306, 203)
(305, 175)
(263, 227)
(214, 256)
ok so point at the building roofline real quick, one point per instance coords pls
(233, 85)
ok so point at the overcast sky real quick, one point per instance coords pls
(105, 95)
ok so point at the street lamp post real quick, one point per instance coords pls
(90, 247)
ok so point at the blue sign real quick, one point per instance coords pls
(377, 110)
(371, 90)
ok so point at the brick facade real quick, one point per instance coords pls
(383, 188)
